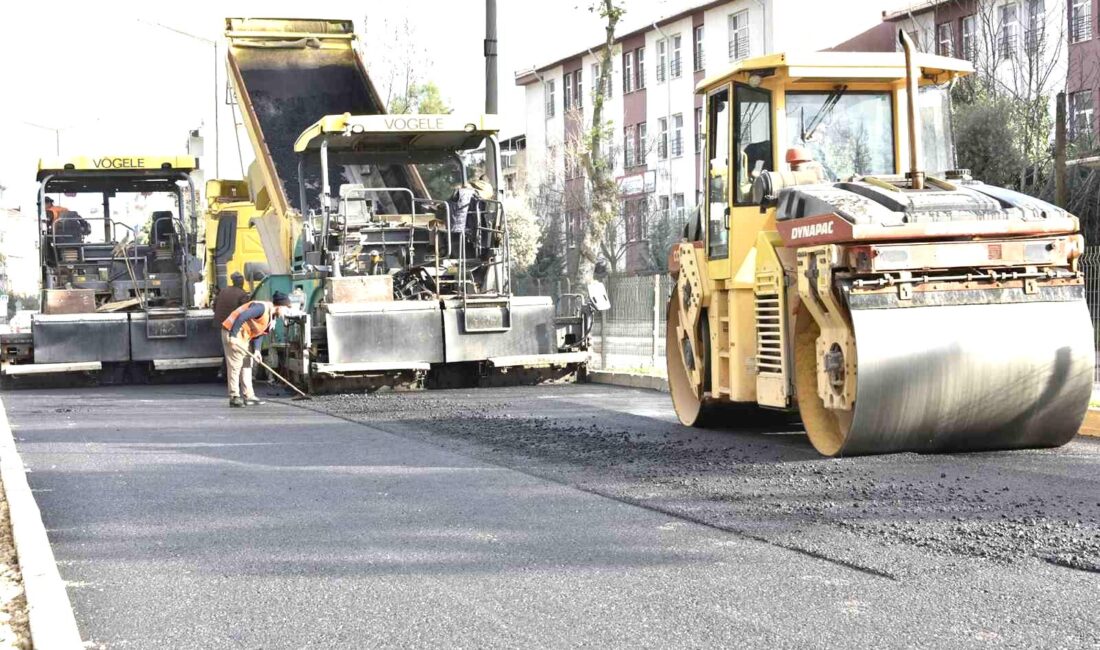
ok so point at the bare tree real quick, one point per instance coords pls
(598, 164)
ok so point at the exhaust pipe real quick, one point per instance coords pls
(912, 74)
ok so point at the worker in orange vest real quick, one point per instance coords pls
(242, 332)
(53, 211)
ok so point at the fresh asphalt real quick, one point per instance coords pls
(550, 517)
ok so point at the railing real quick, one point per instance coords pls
(739, 47)
(1007, 45)
(700, 59)
(1090, 265)
(675, 66)
(549, 110)
(1080, 24)
(677, 145)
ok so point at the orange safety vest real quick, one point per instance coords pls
(253, 328)
(55, 212)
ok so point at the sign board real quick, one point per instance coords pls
(638, 183)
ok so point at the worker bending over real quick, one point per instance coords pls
(242, 332)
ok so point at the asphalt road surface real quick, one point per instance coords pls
(551, 517)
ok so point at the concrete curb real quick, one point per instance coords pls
(1091, 425)
(52, 622)
(631, 381)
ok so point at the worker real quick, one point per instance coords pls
(242, 332)
(227, 301)
(229, 298)
(53, 211)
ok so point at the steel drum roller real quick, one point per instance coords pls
(969, 377)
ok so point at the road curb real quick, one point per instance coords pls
(631, 381)
(1091, 425)
(52, 622)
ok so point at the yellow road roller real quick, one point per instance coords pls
(845, 269)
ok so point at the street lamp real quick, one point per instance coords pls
(217, 133)
(57, 131)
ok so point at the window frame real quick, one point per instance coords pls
(676, 134)
(735, 115)
(675, 56)
(628, 72)
(968, 37)
(662, 138)
(549, 95)
(639, 68)
(662, 60)
(698, 53)
(738, 23)
(1080, 21)
(945, 42)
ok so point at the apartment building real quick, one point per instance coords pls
(655, 115)
(1021, 44)
(1083, 74)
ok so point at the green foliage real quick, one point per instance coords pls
(421, 98)
(989, 139)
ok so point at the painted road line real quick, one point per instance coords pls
(52, 622)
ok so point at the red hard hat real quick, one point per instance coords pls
(797, 155)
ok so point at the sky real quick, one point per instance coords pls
(111, 77)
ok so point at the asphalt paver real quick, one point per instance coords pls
(553, 516)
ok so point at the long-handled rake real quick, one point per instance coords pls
(299, 398)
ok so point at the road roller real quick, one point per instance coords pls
(844, 269)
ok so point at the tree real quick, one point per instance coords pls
(420, 98)
(598, 165)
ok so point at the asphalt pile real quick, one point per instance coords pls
(1004, 507)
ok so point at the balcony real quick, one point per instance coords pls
(675, 66)
(700, 59)
(677, 146)
(549, 110)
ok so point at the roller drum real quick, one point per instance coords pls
(970, 377)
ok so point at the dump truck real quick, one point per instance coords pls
(846, 270)
(119, 269)
(387, 231)
(231, 242)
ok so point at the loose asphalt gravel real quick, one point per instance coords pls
(557, 516)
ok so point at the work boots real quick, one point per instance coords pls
(236, 402)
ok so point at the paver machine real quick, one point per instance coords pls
(386, 230)
(118, 273)
(844, 268)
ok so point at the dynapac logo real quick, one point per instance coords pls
(812, 230)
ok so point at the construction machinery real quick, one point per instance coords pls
(118, 273)
(231, 242)
(386, 230)
(845, 269)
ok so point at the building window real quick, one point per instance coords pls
(699, 130)
(548, 91)
(969, 40)
(662, 205)
(643, 144)
(639, 56)
(1036, 21)
(1010, 30)
(662, 60)
(567, 89)
(629, 147)
(677, 144)
(677, 204)
(675, 58)
(700, 61)
(944, 44)
(578, 94)
(570, 232)
(739, 35)
(662, 138)
(596, 82)
(1080, 115)
(628, 72)
(1080, 21)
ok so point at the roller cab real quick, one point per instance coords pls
(845, 270)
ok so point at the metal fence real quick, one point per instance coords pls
(1090, 264)
(631, 335)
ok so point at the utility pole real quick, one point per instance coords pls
(217, 135)
(491, 57)
(1060, 197)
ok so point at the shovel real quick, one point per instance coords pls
(299, 398)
